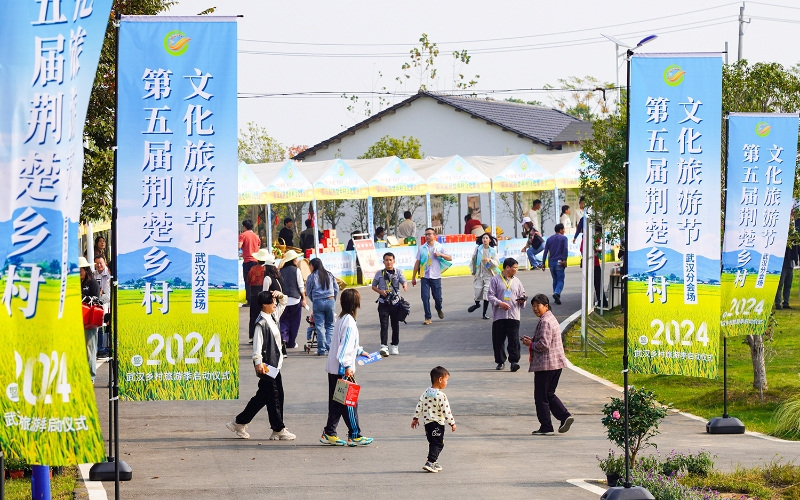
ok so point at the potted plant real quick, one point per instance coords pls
(613, 466)
(15, 467)
(644, 415)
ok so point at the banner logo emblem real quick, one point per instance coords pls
(763, 129)
(397, 168)
(523, 165)
(289, 172)
(673, 75)
(341, 171)
(176, 42)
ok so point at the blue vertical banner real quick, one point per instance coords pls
(48, 57)
(762, 154)
(674, 235)
(177, 199)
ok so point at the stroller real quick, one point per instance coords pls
(311, 335)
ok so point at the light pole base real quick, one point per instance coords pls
(725, 425)
(104, 471)
(623, 493)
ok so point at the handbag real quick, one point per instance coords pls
(346, 391)
(92, 316)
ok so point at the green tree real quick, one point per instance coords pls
(603, 180)
(257, 146)
(520, 101)
(98, 133)
(581, 97)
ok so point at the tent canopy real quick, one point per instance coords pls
(390, 176)
(451, 175)
(251, 189)
(514, 173)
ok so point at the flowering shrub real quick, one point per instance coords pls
(612, 465)
(644, 416)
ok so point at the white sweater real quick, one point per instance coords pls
(344, 348)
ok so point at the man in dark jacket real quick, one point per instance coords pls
(286, 233)
(557, 248)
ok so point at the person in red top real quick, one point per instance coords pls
(470, 223)
(249, 243)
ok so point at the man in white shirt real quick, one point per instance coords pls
(534, 214)
(407, 228)
(428, 262)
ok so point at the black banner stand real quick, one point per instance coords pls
(725, 424)
(113, 469)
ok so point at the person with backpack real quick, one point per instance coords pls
(386, 284)
(322, 289)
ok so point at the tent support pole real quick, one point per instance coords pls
(268, 215)
(370, 216)
(428, 208)
(316, 230)
(492, 206)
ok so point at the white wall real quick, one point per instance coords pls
(442, 131)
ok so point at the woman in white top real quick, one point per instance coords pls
(566, 220)
(484, 261)
(344, 349)
(268, 360)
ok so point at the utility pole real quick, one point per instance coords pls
(742, 22)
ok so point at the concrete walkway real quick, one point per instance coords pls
(183, 450)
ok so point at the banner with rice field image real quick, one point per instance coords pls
(48, 61)
(177, 198)
(674, 231)
(762, 152)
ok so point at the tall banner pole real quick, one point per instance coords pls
(48, 62)
(177, 196)
(762, 151)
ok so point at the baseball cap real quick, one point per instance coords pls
(525, 220)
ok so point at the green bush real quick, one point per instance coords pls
(787, 418)
(644, 415)
(612, 464)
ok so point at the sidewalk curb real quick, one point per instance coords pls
(577, 314)
(581, 483)
(85, 489)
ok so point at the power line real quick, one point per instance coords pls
(495, 50)
(368, 93)
(495, 39)
(775, 5)
(775, 19)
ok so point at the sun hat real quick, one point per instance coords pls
(82, 262)
(289, 256)
(265, 256)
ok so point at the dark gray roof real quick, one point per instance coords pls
(547, 126)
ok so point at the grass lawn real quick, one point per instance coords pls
(61, 486)
(701, 396)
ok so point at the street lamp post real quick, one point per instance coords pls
(617, 44)
(627, 492)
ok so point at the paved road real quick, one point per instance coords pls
(183, 450)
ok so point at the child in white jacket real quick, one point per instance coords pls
(434, 409)
(344, 349)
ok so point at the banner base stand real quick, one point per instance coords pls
(630, 493)
(104, 471)
(725, 425)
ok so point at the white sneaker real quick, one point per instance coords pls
(283, 435)
(384, 351)
(393, 350)
(238, 429)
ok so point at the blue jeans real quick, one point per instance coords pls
(557, 272)
(323, 322)
(532, 260)
(431, 285)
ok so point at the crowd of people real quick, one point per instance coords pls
(277, 294)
